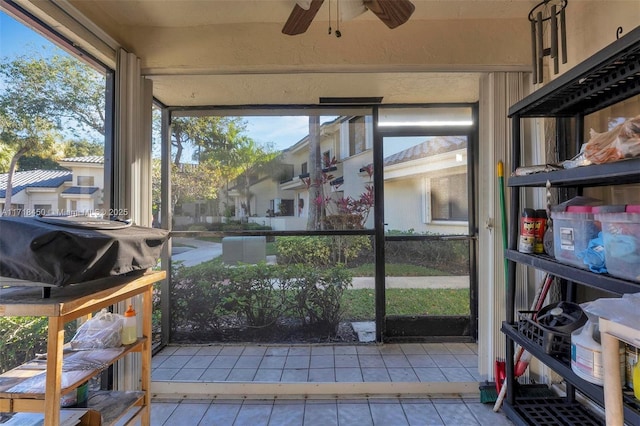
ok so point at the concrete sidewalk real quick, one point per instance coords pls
(191, 252)
(415, 282)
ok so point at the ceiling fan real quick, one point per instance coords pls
(392, 12)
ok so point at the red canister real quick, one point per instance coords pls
(527, 231)
(540, 228)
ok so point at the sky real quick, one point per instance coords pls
(17, 39)
(279, 131)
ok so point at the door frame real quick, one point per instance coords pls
(394, 328)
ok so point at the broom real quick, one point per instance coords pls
(489, 391)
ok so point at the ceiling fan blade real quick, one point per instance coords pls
(300, 19)
(392, 12)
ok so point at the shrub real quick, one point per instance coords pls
(320, 250)
(324, 298)
(345, 248)
(252, 290)
(260, 294)
(21, 338)
(196, 296)
(310, 250)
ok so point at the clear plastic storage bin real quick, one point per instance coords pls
(571, 235)
(621, 235)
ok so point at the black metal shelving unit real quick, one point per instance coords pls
(610, 76)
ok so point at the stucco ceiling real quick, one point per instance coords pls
(232, 52)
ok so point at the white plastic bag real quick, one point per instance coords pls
(102, 331)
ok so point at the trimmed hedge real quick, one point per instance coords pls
(257, 296)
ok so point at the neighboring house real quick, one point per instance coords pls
(436, 168)
(35, 191)
(85, 195)
(58, 192)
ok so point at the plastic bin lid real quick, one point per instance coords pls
(633, 208)
(579, 209)
(612, 208)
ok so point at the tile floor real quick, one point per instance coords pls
(406, 362)
(357, 412)
(403, 363)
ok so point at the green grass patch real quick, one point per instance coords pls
(360, 304)
(397, 270)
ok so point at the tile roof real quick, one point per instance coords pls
(81, 190)
(34, 178)
(434, 146)
(94, 159)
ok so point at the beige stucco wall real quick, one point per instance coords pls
(592, 25)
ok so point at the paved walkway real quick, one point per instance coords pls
(191, 252)
(415, 282)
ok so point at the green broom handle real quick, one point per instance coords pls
(504, 217)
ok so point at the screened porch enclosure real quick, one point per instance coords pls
(276, 237)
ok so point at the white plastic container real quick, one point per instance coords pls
(129, 327)
(586, 355)
(631, 361)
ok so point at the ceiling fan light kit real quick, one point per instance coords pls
(392, 13)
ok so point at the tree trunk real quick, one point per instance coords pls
(247, 195)
(178, 144)
(315, 175)
(8, 211)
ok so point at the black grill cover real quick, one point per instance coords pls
(69, 250)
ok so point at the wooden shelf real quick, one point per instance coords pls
(76, 300)
(95, 363)
(63, 305)
(114, 405)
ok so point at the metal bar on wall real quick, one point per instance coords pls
(540, 47)
(554, 39)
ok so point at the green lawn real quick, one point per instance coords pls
(360, 304)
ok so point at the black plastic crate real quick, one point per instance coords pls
(553, 412)
(554, 343)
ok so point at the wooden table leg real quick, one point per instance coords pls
(54, 371)
(147, 313)
(612, 387)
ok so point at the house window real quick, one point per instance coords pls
(303, 168)
(14, 210)
(449, 198)
(42, 209)
(357, 136)
(326, 160)
(73, 205)
(286, 174)
(85, 180)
